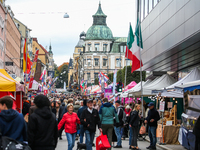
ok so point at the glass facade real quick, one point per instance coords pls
(147, 6)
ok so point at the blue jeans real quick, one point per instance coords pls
(89, 139)
(152, 136)
(71, 140)
(118, 134)
(81, 133)
(130, 134)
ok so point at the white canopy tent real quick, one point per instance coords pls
(170, 91)
(157, 84)
(189, 84)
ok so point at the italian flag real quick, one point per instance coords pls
(134, 44)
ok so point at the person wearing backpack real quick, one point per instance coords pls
(122, 116)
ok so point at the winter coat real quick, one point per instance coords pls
(60, 113)
(134, 118)
(80, 110)
(153, 114)
(69, 120)
(42, 129)
(107, 112)
(12, 125)
(92, 119)
(121, 116)
(26, 106)
(76, 108)
(196, 129)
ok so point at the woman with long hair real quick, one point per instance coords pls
(134, 124)
(69, 120)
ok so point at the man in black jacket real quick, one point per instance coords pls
(152, 119)
(42, 127)
(80, 110)
(118, 126)
(89, 119)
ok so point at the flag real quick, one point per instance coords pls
(100, 79)
(85, 84)
(33, 68)
(133, 47)
(55, 79)
(114, 81)
(43, 73)
(105, 77)
(26, 55)
(82, 84)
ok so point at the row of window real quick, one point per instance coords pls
(96, 62)
(147, 6)
(96, 47)
(95, 76)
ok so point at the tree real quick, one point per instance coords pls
(110, 76)
(96, 82)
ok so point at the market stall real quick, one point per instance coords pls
(9, 85)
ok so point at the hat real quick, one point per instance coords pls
(118, 101)
(128, 107)
(150, 104)
(90, 100)
(24, 97)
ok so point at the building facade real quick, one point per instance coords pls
(103, 52)
(51, 60)
(171, 35)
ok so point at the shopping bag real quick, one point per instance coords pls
(102, 142)
(142, 130)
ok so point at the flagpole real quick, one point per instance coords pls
(26, 65)
(139, 17)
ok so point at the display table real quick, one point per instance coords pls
(187, 138)
(171, 134)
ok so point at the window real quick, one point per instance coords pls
(96, 62)
(104, 62)
(89, 62)
(146, 2)
(88, 76)
(150, 5)
(105, 47)
(79, 50)
(97, 47)
(89, 47)
(122, 49)
(155, 3)
(96, 75)
(118, 62)
(128, 62)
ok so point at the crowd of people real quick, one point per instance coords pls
(43, 120)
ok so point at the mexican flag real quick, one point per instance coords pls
(134, 43)
(82, 84)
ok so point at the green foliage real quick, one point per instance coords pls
(135, 76)
(62, 74)
(96, 82)
(110, 76)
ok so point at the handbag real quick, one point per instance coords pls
(102, 142)
(142, 129)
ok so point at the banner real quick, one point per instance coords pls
(32, 74)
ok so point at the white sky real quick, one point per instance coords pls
(45, 18)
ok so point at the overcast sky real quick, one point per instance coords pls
(45, 19)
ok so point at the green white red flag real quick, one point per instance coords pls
(133, 47)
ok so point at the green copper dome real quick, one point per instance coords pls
(99, 30)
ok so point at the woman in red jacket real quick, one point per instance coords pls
(69, 120)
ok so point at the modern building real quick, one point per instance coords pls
(103, 52)
(171, 35)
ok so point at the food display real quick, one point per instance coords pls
(188, 121)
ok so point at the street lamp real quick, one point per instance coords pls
(66, 15)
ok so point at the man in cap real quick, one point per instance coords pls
(89, 120)
(152, 119)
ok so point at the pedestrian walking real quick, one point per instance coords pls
(106, 114)
(26, 105)
(89, 119)
(152, 119)
(77, 106)
(42, 126)
(12, 123)
(69, 120)
(134, 124)
(82, 131)
(95, 106)
(118, 126)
